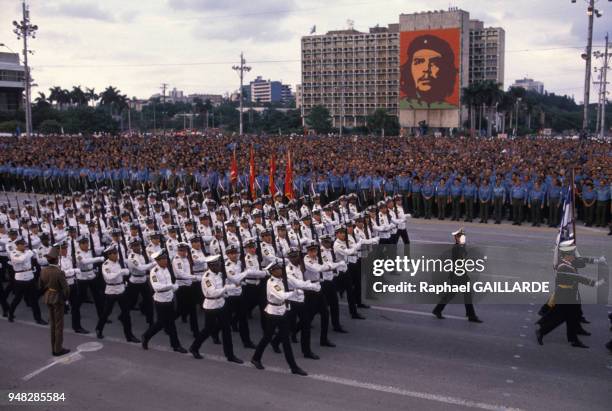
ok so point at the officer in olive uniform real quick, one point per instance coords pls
(57, 291)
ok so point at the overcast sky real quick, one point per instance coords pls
(136, 45)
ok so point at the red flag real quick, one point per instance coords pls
(252, 175)
(289, 178)
(234, 169)
(272, 187)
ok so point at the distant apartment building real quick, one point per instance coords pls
(12, 76)
(530, 85)
(352, 73)
(487, 51)
(268, 91)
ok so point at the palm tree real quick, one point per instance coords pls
(78, 96)
(41, 101)
(492, 95)
(91, 95)
(110, 98)
(55, 94)
(468, 98)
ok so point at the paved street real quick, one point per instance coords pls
(400, 357)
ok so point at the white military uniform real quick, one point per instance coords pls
(295, 281)
(113, 277)
(22, 264)
(213, 290)
(235, 275)
(161, 281)
(138, 268)
(277, 295)
(85, 264)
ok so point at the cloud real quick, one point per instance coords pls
(84, 10)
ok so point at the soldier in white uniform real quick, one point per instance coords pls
(181, 265)
(74, 299)
(86, 277)
(115, 293)
(349, 254)
(298, 311)
(139, 267)
(254, 288)
(236, 275)
(277, 295)
(21, 260)
(215, 311)
(198, 265)
(164, 289)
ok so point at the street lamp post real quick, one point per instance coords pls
(23, 30)
(241, 69)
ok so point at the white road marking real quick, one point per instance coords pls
(66, 359)
(388, 389)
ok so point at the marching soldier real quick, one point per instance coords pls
(23, 286)
(567, 301)
(137, 282)
(164, 290)
(115, 293)
(216, 312)
(184, 278)
(86, 276)
(275, 313)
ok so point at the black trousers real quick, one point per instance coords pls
(237, 313)
(75, 306)
(344, 281)
(141, 289)
(186, 306)
(124, 304)
(403, 234)
(469, 209)
(467, 299)
(498, 209)
(517, 210)
(456, 208)
(3, 302)
(255, 296)
(27, 290)
(441, 202)
(560, 313)
(214, 321)
(274, 323)
(553, 212)
(536, 212)
(297, 316)
(328, 288)
(427, 206)
(165, 320)
(589, 215)
(96, 293)
(484, 211)
(316, 303)
(417, 205)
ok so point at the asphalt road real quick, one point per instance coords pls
(400, 357)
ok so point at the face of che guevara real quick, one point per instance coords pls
(425, 69)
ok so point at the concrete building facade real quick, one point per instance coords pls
(487, 53)
(529, 85)
(12, 75)
(354, 70)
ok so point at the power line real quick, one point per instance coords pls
(211, 63)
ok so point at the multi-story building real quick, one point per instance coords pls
(12, 76)
(298, 96)
(268, 91)
(487, 51)
(530, 85)
(352, 73)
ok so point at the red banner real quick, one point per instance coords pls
(234, 169)
(289, 177)
(272, 187)
(252, 174)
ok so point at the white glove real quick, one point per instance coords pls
(601, 260)
(599, 282)
(315, 287)
(175, 286)
(227, 287)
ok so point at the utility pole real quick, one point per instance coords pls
(241, 69)
(603, 93)
(163, 89)
(23, 30)
(591, 13)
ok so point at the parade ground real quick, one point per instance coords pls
(400, 357)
